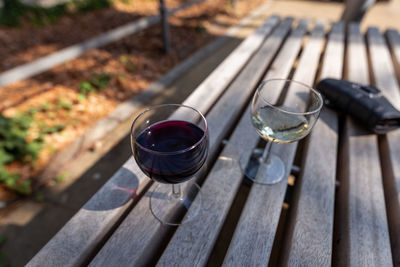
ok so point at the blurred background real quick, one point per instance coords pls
(73, 74)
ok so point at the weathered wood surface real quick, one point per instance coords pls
(214, 85)
(311, 241)
(382, 66)
(368, 237)
(284, 61)
(66, 249)
(391, 160)
(385, 79)
(75, 242)
(369, 242)
(192, 244)
(140, 230)
(223, 182)
(393, 38)
(255, 232)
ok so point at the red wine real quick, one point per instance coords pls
(171, 136)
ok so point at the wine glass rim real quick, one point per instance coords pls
(174, 152)
(321, 102)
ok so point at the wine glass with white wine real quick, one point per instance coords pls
(285, 122)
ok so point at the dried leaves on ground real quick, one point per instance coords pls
(68, 99)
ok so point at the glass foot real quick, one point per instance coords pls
(269, 171)
(168, 204)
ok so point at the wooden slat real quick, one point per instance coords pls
(140, 232)
(193, 242)
(393, 38)
(333, 59)
(214, 85)
(79, 238)
(291, 49)
(368, 235)
(252, 242)
(392, 186)
(223, 182)
(313, 225)
(254, 235)
(384, 76)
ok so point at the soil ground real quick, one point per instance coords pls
(28, 223)
(125, 68)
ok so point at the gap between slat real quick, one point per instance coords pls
(282, 231)
(116, 224)
(224, 238)
(391, 198)
(286, 226)
(289, 211)
(228, 228)
(396, 64)
(388, 179)
(168, 232)
(167, 235)
(340, 244)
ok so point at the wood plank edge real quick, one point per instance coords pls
(391, 190)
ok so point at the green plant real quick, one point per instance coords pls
(3, 260)
(100, 80)
(43, 16)
(51, 115)
(2, 240)
(52, 129)
(61, 177)
(45, 106)
(32, 111)
(97, 82)
(14, 146)
(86, 87)
(13, 139)
(63, 104)
(87, 5)
(14, 11)
(39, 197)
(124, 59)
(201, 28)
(81, 97)
(129, 65)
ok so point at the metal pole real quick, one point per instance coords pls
(356, 9)
(165, 27)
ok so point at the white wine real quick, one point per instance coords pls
(278, 126)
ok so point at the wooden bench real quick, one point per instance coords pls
(339, 205)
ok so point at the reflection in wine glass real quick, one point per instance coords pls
(170, 144)
(281, 123)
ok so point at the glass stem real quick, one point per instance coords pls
(265, 155)
(176, 190)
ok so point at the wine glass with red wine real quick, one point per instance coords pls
(170, 144)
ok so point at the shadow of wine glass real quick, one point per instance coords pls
(116, 192)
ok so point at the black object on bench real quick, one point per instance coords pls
(365, 103)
